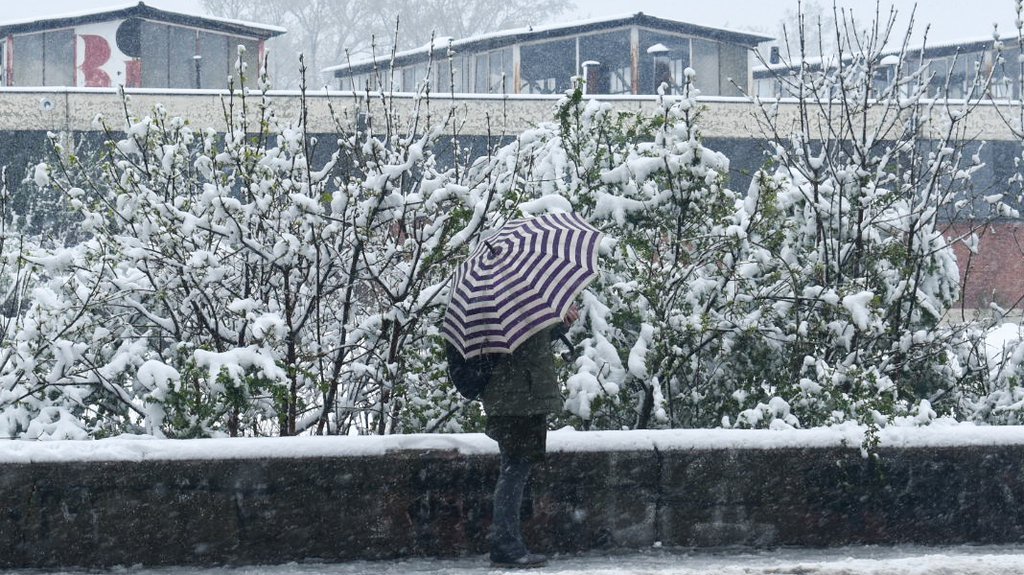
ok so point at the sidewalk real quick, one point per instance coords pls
(906, 560)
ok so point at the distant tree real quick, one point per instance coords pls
(328, 32)
(816, 29)
(459, 19)
(320, 30)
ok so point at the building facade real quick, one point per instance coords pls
(135, 46)
(968, 68)
(630, 55)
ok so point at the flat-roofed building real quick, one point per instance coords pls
(133, 45)
(628, 55)
(957, 69)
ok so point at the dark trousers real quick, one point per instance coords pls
(521, 442)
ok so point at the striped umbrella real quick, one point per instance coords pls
(519, 281)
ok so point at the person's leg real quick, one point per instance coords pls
(506, 532)
(521, 442)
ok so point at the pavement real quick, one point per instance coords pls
(869, 560)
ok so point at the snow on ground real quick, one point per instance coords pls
(840, 561)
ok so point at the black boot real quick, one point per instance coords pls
(525, 561)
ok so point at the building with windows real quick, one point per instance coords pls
(968, 68)
(134, 45)
(629, 55)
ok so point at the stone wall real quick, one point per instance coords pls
(437, 503)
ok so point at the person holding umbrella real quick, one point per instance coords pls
(509, 301)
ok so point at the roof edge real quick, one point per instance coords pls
(144, 11)
(501, 38)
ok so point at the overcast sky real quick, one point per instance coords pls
(949, 19)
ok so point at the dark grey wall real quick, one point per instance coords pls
(437, 503)
(19, 149)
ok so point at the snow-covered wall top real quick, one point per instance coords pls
(148, 449)
(78, 109)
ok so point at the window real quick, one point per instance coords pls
(480, 77)
(412, 77)
(500, 71)
(706, 67)
(460, 73)
(547, 67)
(214, 69)
(180, 57)
(611, 51)
(450, 75)
(28, 60)
(443, 77)
(733, 66)
(155, 55)
(45, 59)
(663, 58)
(250, 59)
(493, 71)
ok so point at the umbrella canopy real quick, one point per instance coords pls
(519, 281)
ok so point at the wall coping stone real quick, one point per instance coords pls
(147, 448)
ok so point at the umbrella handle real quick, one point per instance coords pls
(567, 354)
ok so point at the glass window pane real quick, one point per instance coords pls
(459, 73)
(181, 58)
(496, 77)
(213, 67)
(663, 57)
(612, 73)
(480, 78)
(408, 79)
(250, 60)
(705, 65)
(28, 60)
(939, 67)
(443, 77)
(507, 68)
(733, 63)
(154, 55)
(547, 67)
(59, 61)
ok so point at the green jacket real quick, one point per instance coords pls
(525, 382)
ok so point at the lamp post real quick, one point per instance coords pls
(587, 79)
(198, 59)
(889, 64)
(656, 50)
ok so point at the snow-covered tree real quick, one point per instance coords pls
(229, 286)
(999, 398)
(816, 297)
(856, 271)
(219, 281)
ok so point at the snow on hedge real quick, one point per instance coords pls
(148, 448)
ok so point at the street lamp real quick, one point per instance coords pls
(198, 59)
(589, 83)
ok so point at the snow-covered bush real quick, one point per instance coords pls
(228, 285)
(816, 297)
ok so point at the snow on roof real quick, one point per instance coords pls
(512, 35)
(937, 49)
(140, 9)
(144, 448)
(69, 15)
